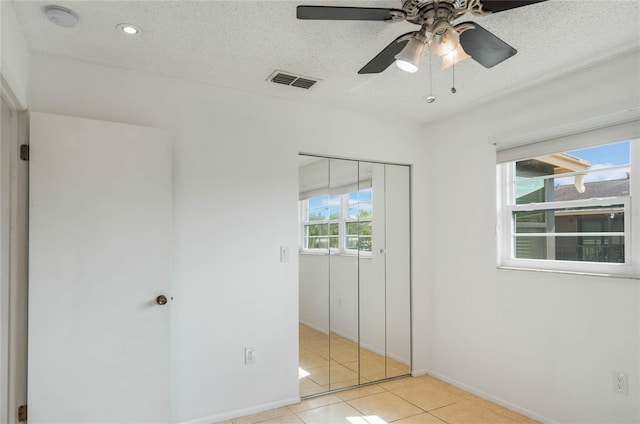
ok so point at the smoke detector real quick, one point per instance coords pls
(61, 16)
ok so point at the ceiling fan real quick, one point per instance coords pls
(452, 43)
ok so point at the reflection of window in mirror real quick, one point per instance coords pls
(341, 223)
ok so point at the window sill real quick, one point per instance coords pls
(583, 273)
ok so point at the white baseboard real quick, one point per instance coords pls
(487, 396)
(242, 412)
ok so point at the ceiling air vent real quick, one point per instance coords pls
(287, 78)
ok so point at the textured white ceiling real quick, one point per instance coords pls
(238, 44)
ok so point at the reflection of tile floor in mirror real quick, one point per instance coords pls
(318, 376)
(410, 400)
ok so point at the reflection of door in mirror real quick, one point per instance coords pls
(354, 307)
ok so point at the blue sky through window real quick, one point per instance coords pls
(600, 157)
(611, 154)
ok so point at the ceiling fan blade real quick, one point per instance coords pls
(387, 56)
(339, 13)
(484, 47)
(496, 6)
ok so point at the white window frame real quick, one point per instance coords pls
(506, 226)
(342, 229)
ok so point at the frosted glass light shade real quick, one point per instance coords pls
(453, 58)
(444, 39)
(409, 58)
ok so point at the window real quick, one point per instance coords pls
(341, 223)
(571, 211)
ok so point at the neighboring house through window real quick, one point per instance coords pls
(571, 211)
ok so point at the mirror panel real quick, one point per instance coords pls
(398, 271)
(371, 258)
(343, 281)
(313, 276)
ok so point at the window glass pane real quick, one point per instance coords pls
(607, 249)
(316, 230)
(364, 243)
(317, 202)
(606, 174)
(318, 214)
(590, 219)
(555, 234)
(360, 204)
(358, 235)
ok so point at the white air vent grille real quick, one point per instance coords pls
(287, 78)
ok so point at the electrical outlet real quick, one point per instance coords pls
(620, 383)
(249, 355)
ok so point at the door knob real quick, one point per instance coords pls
(161, 300)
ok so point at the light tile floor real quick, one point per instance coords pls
(410, 400)
(332, 362)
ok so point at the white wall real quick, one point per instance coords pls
(543, 342)
(14, 54)
(235, 159)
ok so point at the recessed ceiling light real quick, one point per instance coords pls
(129, 29)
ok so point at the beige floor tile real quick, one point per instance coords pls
(286, 419)
(427, 397)
(344, 384)
(315, 403)
(373, 375)
(319, 375)
(396, 372)
(387, 406)
(360, 392)
(308, 359)
(332, 374)
(439, 384)
(501, 410)
(530, 421)
(224, 422)
(263, 416)
(402, 382)
(330, 414)
(341, 373)
(319, 347)
(397, 364)
(355, 365)
(424, 418)
(470, 412)
(308, 387)
(349, 354)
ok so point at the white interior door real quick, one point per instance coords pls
(100, 240)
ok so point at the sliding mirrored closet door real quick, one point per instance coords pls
(354, 273)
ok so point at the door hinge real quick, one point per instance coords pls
(22, 413)
(24, 151)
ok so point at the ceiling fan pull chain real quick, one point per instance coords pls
(453, 86)
(430, 98)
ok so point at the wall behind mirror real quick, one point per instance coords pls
(354, 276)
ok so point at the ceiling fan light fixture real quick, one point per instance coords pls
(409, 58)
(444, 39)
(455, 57)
